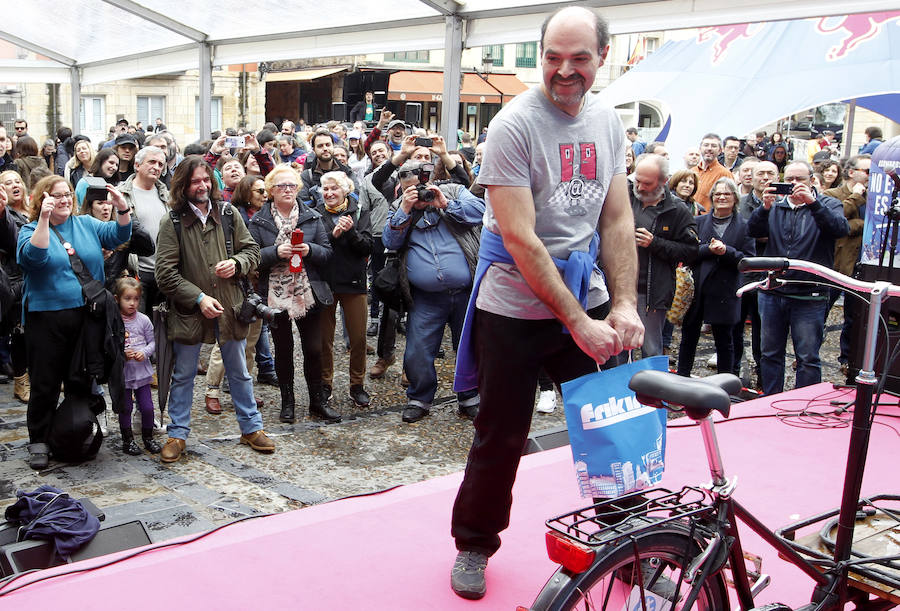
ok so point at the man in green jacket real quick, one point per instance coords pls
(200, 277)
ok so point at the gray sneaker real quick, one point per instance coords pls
(467, 576)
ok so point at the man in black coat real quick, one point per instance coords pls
(665, 234)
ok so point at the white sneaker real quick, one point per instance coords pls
(103, 420)
(713, 361)
(547, 402)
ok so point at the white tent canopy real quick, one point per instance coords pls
(95, 41)
(738, 78)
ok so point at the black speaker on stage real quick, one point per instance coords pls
(413, 113)
(890, 311)
(339, 111)
(546, 440)
(30, 554)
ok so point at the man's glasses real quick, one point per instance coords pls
(286, 187)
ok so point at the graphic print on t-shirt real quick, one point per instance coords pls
(574, 188)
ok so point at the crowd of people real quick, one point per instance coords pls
(249, 234)
(128, 208)
(355, 195)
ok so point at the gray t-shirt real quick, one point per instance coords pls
(568, 163)
(149, 210)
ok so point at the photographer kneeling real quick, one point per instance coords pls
(302, 294)
(437, 266)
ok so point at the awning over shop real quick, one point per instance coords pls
(309, 74)
(425, 86)
(508, 84)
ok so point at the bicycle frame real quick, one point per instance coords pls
(718, 513)
(860, 430)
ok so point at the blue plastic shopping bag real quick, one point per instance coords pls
(618, 444)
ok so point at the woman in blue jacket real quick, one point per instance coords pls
(54, 309)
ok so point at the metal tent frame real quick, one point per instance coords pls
(104, 40)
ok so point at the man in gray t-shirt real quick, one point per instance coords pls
(554, 175)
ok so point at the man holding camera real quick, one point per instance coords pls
(803, 224)
(437, 268)
(198, 264)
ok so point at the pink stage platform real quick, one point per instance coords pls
(393, 551)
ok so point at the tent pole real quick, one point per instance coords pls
(75, 82)
(848, 129)
(205, 93)
(452, 79)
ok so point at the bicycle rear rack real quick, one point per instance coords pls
(632, 514)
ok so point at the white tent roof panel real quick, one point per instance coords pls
(116, 30)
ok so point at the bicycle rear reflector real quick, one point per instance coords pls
(574, 556)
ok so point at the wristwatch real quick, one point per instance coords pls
(125, 211)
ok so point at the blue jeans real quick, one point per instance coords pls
(429, 313)
(265, 362)
(805, 318)
(181, 392)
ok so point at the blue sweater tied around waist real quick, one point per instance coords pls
(576, 272)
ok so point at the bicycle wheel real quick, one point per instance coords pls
(613, 584)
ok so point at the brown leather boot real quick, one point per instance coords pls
(22, 387)
(172, 450)
(380, 367)
(259, 441)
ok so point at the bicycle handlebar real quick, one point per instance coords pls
(763, 264)
(781, 264)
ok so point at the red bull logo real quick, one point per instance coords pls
(727, 35)
(856, 29)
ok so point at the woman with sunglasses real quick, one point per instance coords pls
(54, 302)
(300, 295)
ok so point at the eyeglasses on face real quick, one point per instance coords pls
(286, 187)
(260, 191)
(66, 195)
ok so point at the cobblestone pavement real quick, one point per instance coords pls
(219, 480)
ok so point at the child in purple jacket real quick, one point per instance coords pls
(139, 347)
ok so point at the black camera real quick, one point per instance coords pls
(422, 191)
(254, 307)
(96, 189)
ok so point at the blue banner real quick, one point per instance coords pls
(877, 230)
(618, 444)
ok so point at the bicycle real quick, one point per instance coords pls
(658, 549)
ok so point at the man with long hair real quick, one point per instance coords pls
(193, 240)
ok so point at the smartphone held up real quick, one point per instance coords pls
(296, 262)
